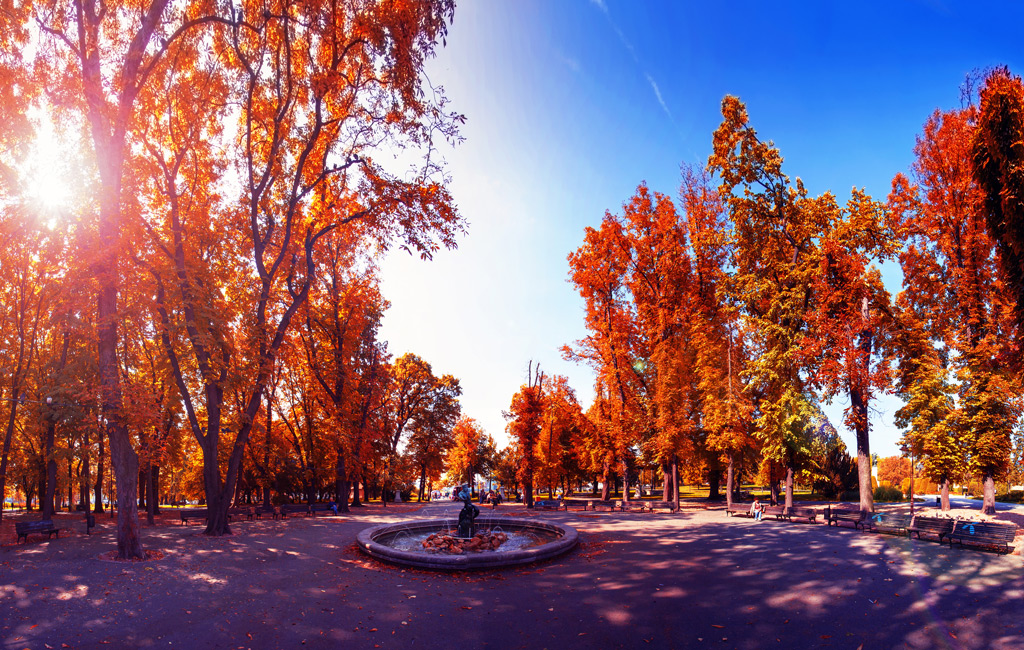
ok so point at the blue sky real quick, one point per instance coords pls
(570, 104)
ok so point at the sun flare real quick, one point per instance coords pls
(47, 169)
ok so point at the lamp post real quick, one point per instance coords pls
(911, 481)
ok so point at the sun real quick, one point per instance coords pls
(46, 171)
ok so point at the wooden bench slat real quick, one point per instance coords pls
(836, 515)
(888, 522)
(810, 514)
(938, 526)
(547, 504)
(43, 526)
(983, 533)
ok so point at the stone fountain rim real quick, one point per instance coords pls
(439, 562)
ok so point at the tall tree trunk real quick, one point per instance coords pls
(50, 478)
(154, 489)
(714, 483)
(8, 436)
(625, 480)
(666, 485)
(988, 484)
(218, 496)
(859, 397)
(944, 494)
(423, 483)
(729, 481)
(606, 479)
(98, 487)
(789, 483)
(84, 479)
(675, 482)
(343, 483)
(150, 494)
(359, 482)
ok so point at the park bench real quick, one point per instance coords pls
(738, 509)
(246, 512)
(286, 509)
(193, 513)
(836, 515)
(547, 504)
(26, 528)
(884, 522)
(322, 507)
(798, 512)
(603, 504)
(662, 505)
(583, 504)
(983, 533)
(263, 510)
(631, 506)
(779, 512)
(938, 526)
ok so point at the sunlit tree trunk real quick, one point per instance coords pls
(729, 481)
(988, 484)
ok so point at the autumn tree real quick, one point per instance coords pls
(954, 294)
(998, 166)
(434, 432)
(318, 87)
(467, 455)
(560, 430)
(776, 228)
(414, 396)
(851, 321)
(630, 273)
(929, 416)
(97, 59)
(23, 304)
(893, 469)
(525, 418)
(720, 354)
(342, 349)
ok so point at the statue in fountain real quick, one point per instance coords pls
(468, 513)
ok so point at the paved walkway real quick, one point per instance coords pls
(693, 580)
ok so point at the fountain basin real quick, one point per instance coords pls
(561, 537)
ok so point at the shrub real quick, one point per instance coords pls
(888, 493)
(1011, 497)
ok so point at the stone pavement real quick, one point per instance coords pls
(692, 580)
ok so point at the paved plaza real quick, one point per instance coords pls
(691, 580)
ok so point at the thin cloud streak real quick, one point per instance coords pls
(603, 8)
(657, 93)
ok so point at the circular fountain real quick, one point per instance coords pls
(529, 541)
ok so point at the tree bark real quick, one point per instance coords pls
(98, 488)
(944, 494)
(625, 480)
(729, 481)
(8, 436)
(988, 484)
(605, 479)
(50, 477)
(714, 483)
(789, 485)
(85, 478)
(675, 483)
(666, 488)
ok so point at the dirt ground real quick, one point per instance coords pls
(691, 580)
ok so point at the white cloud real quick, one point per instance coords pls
(657, 93)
